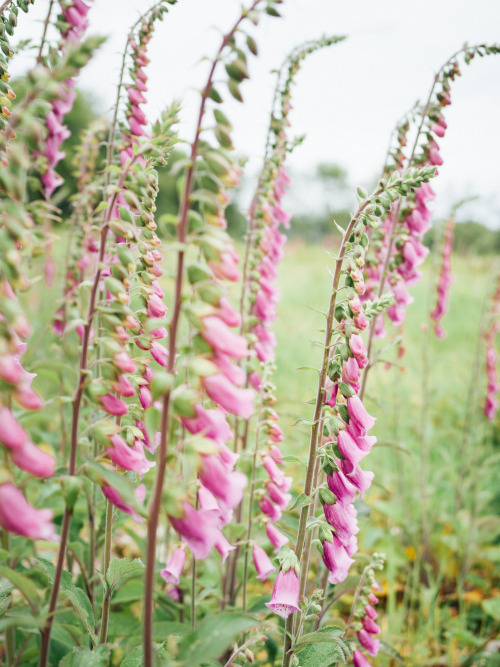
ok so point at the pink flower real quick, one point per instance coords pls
(262, 563)
(370, 626)
(33, 460)
(358, 413)
(145, 397)
(128, 458)
(227, 313)
(172, 571)
(359, 660)
(277, 495)
(368, 642)
(212, 424)
(336, 560)
(17, 515)
(156, 307)
(10, 369)
(340, 485)
(11, 433)
(198, 529)
(272, 470)
(343, 519)
(370, 611)
(124, 362)
(233, 399)
(159, 353)
(28, 398)
(285, 597)
(115, 498)
(272, 511)
(359, 478)
(112, 405)
(223, 547)
(222, 339)
(349, 449)
(227, 486)
(357, 346)
(276, 538)
(123, 386)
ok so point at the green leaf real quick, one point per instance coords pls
(389, 650)
(23, 584)
(330, 634)
(301, 501)
(84, 657)
(492, 607)
(291, 459)
(136, 657)
(323, 653)
(77, 596)
(234, 90)
(121, 568)
(212, 637)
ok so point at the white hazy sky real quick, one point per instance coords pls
(348, 97)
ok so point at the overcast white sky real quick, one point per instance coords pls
(347, 98)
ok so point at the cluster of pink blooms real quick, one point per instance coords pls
(353, 422)
(220, 486)
(445, 280)
(491, 402)
(265, 293)
(147, 268)
(408, 251)
(367, 635)
(16, 515)
(271, 253)
(75, 18)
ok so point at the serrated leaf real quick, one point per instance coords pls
(212, 637)
(121, 568)
(324, 654)
(85, 657)
(492, 607)
(77, 596)
(4, 605)
(23, 585)
(136, 657)
(301, 501)
(330, 634)
(390, 651)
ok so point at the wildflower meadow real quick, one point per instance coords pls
(221, 444)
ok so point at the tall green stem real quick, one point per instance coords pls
(108, 537)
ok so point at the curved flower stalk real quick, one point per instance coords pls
(445, 279)
(18, 222)
(491, 401)
(201, 224)
(398, 246)
(264, 250)
(72, 24)
(81, 249)
(344, 353)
